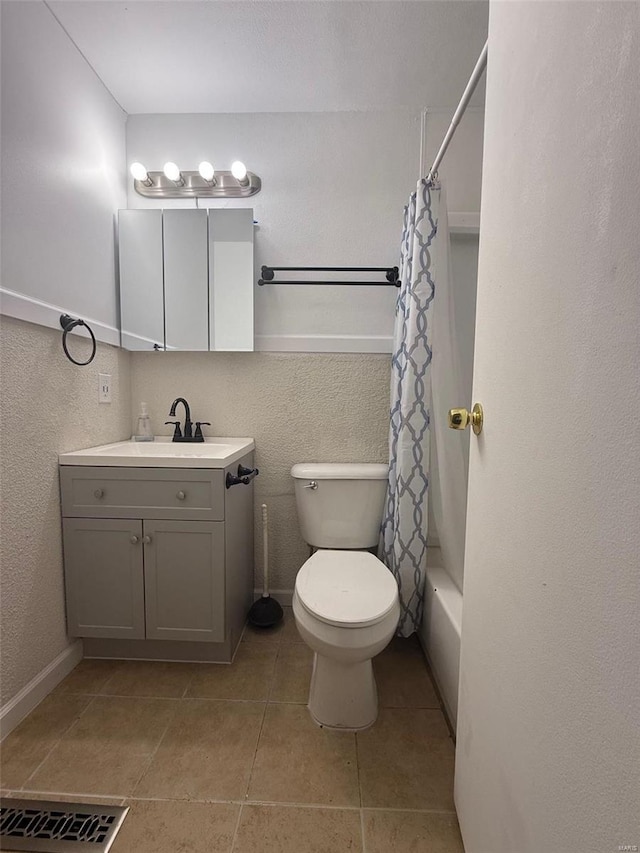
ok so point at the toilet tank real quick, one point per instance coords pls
(340, 505)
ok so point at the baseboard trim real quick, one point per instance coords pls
(283, 596)
(32, 694)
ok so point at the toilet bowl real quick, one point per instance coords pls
(346, 608)
(345, 602)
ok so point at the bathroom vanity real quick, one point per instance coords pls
(158, 547)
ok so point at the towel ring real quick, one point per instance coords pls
(68, 323)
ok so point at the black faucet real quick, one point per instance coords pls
(188, 426)
(188, 435)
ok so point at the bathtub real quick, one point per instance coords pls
(440, 635)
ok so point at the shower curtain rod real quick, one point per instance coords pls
(481, 64)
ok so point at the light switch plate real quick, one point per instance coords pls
(104, 387)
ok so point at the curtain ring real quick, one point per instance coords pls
(68, 323)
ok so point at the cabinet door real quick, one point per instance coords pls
(184, 580)
(104, 577)
(231, 279)
(186, 297)
(141, 279)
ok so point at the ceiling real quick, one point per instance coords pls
(181, 56)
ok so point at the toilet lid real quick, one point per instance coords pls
(346, 588)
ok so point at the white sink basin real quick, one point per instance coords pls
(163, 453)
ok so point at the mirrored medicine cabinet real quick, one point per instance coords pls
(186, 279)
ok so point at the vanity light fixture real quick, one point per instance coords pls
(174, 174)
(206, 182)
(239, 172)
(140, 174)
(207, 172)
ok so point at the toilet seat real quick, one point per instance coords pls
(348, 589)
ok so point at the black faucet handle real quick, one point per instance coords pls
(199, 424)
(177, 432)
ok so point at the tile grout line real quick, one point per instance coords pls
(189, 683)
(264, 714)
(110, 678)
(234, 837)
(154, 753)
(114, 800)
(213, 801)
(360, 794)
(229, 699)
(255, 753)
(181, 698)
(57, 742)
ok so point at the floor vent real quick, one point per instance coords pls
(41, 826)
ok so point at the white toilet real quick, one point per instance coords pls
(345, 601)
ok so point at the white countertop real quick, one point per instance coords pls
(163, 453)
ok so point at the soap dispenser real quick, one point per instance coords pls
(143, 430)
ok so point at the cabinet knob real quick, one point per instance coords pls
(99, 493)
(146, 540)
(134, 540)
(181, 495)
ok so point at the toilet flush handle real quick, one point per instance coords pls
(311, 485)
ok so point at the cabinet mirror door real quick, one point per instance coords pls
(141, 279)
(186, 300)
(231, 279)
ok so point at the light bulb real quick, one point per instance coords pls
(206, 171)
(239, 171)
(172, 172)
(139, 172)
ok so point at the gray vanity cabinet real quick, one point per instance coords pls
(158, 561)
(104, 577)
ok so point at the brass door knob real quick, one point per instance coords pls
(461, 418)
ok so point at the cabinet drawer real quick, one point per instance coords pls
(145, 493)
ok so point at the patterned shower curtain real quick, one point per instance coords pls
(404, 528)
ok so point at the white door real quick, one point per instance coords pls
(549, 716)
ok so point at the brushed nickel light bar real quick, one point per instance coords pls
(203, 183)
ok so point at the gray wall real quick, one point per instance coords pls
(63, 176)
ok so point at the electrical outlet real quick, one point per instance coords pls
(104, 387)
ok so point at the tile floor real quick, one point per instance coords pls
(225, 759)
